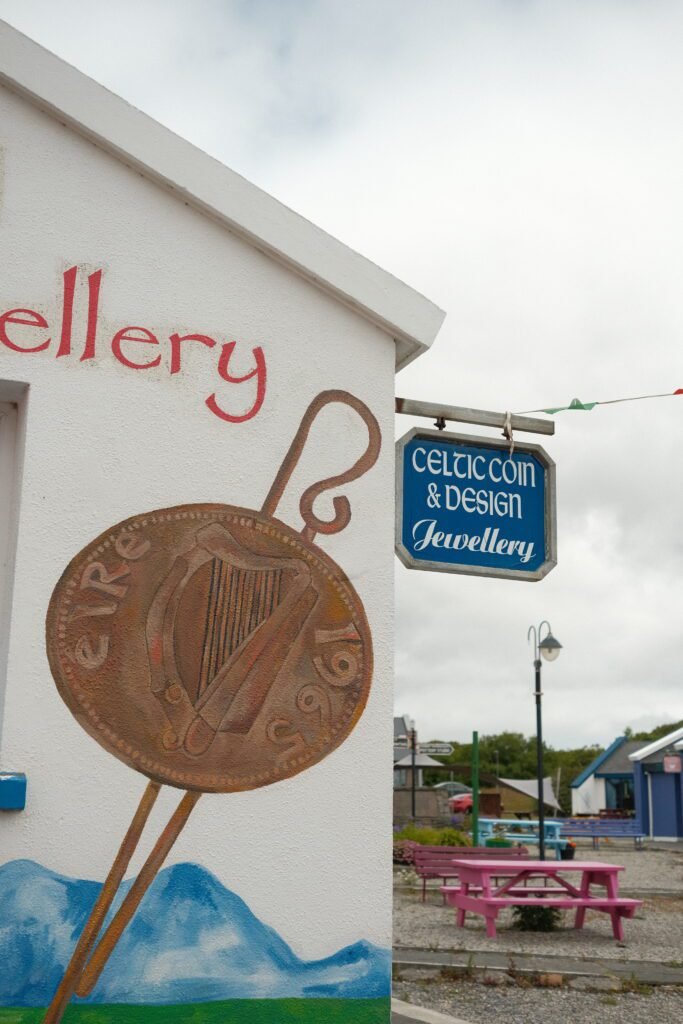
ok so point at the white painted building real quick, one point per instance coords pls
(131, 264)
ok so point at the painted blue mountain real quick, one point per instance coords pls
(191, 940)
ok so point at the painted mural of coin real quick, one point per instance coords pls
(210, 647)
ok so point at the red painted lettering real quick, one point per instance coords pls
(144, 337)
(125, 351)
(67, 311)
(27, 317)
(94, 281)
(259, 372)
(176, 339)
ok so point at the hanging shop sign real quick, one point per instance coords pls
(472, 505)
(672, 764)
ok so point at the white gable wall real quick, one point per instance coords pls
(589, 797)
(105, 442)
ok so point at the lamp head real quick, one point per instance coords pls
(550, 647)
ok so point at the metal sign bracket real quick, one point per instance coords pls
(481, 417)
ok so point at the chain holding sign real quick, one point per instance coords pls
(471, 505)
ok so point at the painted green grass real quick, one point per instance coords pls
(235, 1011)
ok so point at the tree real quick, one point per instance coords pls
(511, 755)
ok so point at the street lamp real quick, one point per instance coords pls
(412, 732)
(549, 648)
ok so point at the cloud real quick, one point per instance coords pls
(519, 162)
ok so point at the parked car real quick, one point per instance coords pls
(460, 803)
(453, 788)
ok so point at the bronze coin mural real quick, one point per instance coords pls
(210, 647)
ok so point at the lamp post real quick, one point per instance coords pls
(497, 757)
(413, 756)
(550, 648)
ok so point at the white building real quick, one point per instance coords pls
(164, 326)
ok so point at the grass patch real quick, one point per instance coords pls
(639, 988)
(233, 1011)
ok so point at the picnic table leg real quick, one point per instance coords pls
(491, 916)
(617, 924)
(612, 887)
(585, 891)
(460, 911)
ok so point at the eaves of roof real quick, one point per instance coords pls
(661, 744)
(204, 183)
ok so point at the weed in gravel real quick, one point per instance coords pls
(638, 988)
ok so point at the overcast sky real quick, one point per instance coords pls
(519, 162)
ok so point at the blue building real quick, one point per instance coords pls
(607, 784)
(658, 785)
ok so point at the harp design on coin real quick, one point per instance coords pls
(212, 648)
(255, 608)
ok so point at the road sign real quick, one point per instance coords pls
(435, 749)
(470, 505)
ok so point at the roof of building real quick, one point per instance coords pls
(530, 788)
(421, 761)
(204, 183)
(657, 746)
(619, 762)
(606, 763)
(401, 727)
(401, 731)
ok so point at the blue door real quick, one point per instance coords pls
(666, 804)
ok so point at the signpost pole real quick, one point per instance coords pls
(475, 789)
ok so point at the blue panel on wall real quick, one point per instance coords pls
(666, 804)
(12, 791)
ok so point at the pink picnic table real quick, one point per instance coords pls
(479, 892)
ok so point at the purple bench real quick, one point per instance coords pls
(436, 862)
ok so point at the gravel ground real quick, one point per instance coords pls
(481, 1004)
(655, 933)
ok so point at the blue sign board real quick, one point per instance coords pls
(470, 505)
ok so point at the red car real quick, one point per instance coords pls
(460, 803)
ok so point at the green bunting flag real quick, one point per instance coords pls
(577, 404)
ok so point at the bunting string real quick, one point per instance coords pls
(577, 405)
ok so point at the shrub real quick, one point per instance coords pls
(536, 919)
(403, 851)
(453, 837)
(425, 836)
(422, 835)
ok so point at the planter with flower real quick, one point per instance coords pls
(498, 840)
